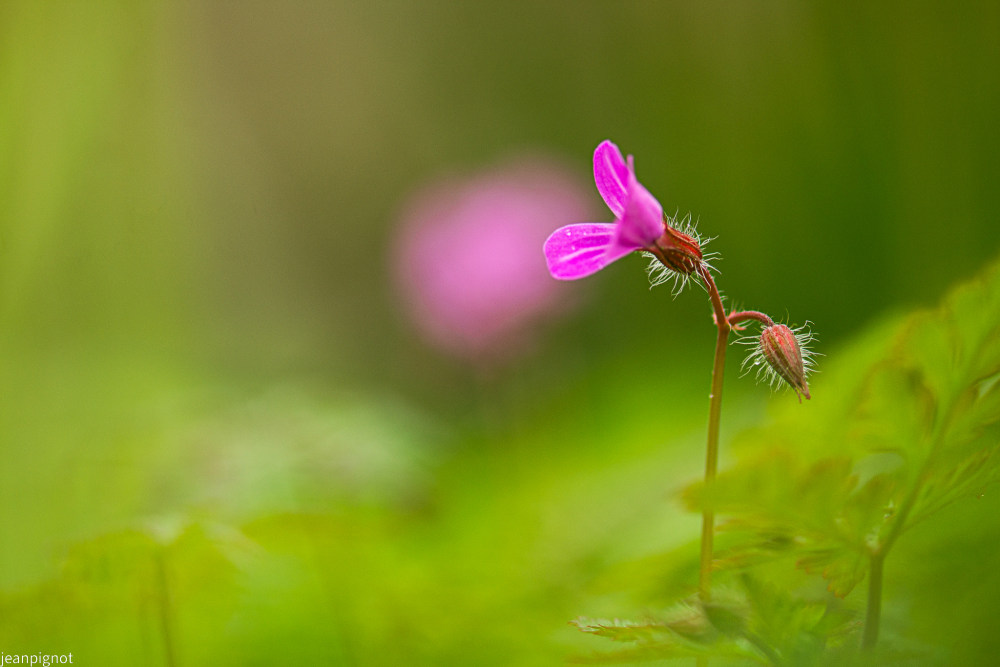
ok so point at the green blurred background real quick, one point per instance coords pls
(223, 441)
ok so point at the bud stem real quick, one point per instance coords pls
(744, 315)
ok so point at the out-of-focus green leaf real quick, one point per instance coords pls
(913, 434)
(906, 424)
(716, 629)
(622, 630)
(640, 654)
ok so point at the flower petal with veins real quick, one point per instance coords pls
(641, 224)
(611, 174)
(577, 251)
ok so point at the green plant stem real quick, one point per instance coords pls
(166, 617)
(712, 448)
(874, 609)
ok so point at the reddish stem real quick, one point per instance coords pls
(744, 315)
(712, 449)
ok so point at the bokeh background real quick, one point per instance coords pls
(226, 440)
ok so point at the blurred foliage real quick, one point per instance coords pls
(330, 551)
(904, 425)
(917, 431)
(223, 443)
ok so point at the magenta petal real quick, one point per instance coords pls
(611, 175)
(576, 251)
(642, 222)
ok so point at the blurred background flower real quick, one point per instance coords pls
(468, 259)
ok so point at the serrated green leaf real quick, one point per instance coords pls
(904, 432)
(726, 618)
(842, 568)
(622, 630)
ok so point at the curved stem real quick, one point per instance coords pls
(721, 320)
(712, 448)
(744, 315)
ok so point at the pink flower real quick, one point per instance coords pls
(467, 255)
(576, 251)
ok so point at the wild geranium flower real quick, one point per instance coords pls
(466, 256)
(579, 250)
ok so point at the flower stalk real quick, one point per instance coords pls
(873, 610)
(712, 447)
(582, 249)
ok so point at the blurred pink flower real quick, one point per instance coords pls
(467, 260)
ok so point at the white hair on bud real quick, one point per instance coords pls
(756, 361)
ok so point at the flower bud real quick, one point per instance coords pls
(678, 251)
(677, 254)
(783, 353)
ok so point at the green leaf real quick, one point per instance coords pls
(729, 619)
(687, 633)
(631, 655)
(903, 422)
(685, 621)
(908, 422)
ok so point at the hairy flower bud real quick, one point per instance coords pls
(678, 251)
(677, 255)
(782, 351)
